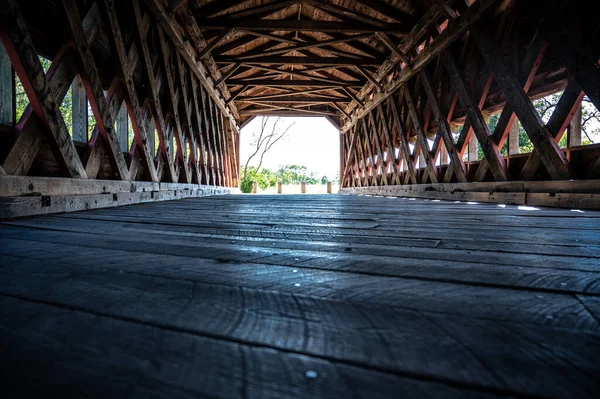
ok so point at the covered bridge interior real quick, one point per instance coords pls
(457, 264)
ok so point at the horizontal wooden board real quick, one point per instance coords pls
(379, 296)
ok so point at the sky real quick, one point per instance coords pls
(311, 142)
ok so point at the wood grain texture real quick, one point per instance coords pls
(241, 296)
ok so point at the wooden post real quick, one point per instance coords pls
(7, 111)
(151, 138)
(254, 187)
(279, 187)
(444, 155)
(513, 139)
(473, 149)
(303, 187)
(328, 187)
(79, 102)
(122, 129)
(422, 162)
(342, 157)
(574, 131)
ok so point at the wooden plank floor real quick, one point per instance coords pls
(302, 296)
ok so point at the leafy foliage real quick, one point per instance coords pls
(590, 124)
(66, 107)
(295, 174)
(264, 178)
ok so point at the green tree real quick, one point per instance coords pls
(22, 101)
(262, 142)
(264, 178)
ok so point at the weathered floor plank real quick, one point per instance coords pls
(240, 296)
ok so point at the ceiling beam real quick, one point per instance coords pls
(222, 36)
(298, 25)
(302, 46)
(388, 10)
(312, 60)
(389, 43)
(174, 5)
(287, 92)
(287, 83)
(302, 74)
(345, 12)
(217, 6)
(260, 11)
(293, 99)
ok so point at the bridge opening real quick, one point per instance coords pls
(280, 154)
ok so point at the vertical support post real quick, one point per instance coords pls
(80, 115)
(473, 149)
(329, 187)
(513, 138)
(574, 131)
(151, 136)
(444, 158)
(254, 187)
(342, 157)
(122, 128)
(303, 187)
(7, 84)
(279, 187)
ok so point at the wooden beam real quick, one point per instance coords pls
(287, 83)
(215, 42)
(574, 52)
(234, 68)
(404, 146)
(346, 14)
(388, 10)
(453, 32)
(297, 25)
(389, 141)
(563, 114)
(376, 138)
(480, 128)
(217, 7)
(421, 136)
(388, 42)
(527, 72)
(156, 103)
(19, 46)
(302, 46)
(30, 130)
(369, 77)
(294, 99)
(169, 69)
(174, 5)
(290, 60)
(135, 113)
(7, 83)
(443, 128)
(552, 156)
(260, 11)
(80, 111)
(187, 123)
(93, 88)
(172, 29)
